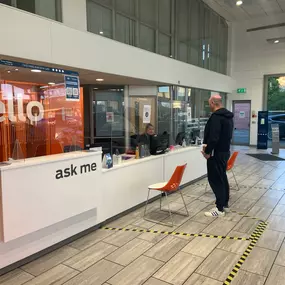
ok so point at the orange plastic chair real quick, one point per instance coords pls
(230, 166)
(167, 188)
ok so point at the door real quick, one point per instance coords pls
(241, 135)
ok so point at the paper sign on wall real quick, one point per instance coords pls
(189, 115)
(110, 117)
(146, 114)
(241, 114)
(72, 88)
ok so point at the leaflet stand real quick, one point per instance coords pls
(17, 151)
(275, 139)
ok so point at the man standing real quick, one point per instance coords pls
(216, 149)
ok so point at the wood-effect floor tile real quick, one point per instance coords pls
(197, 279)
(154, 281)
(15, 277)
(178, 269)
(90, 256)
(271, 240)
(220, 227)
(247, 278)
(277, 276)
(280, 260)
(137, 272)
(48, 261)
(96, 274)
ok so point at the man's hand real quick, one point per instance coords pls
(207, 156)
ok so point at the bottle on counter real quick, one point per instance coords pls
(118, 157)
(137, 153)
(184, 143)
(142, 152)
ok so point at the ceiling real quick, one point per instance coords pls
(86, 76)
(249, 10)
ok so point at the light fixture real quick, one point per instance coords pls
(95, 88)
(16, 69)
(36, 70)
(101, 33)
(100, 79)
(276, 41)
(239, 2)
(8, 71)
(51, 83)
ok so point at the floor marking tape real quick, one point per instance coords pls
(254, 239)
(175, 233)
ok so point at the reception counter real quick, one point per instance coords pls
(47, 200)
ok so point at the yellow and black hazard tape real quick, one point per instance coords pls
(174, 233)
(254, 239)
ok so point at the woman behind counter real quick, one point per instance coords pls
(144, 139)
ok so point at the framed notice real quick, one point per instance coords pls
(72, 85)
(146, 114)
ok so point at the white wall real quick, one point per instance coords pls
(35, 38)
(252, 58)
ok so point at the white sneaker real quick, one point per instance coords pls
(227, 209)
(214, 213)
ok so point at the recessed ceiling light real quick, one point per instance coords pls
(101, 32)
(95, 88)
(51, 83)
(16, 69)
(35, 70)
(8, 71)
(276, 41)
(99, 79)
(239, 2)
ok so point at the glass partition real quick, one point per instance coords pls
(38, 117)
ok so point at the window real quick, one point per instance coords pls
(147, 38)
(127, 7)
(164, 44)
(164, 9)
(125, 30)
(50, 9)
(99, 19)
(164, 110)
(147, 12)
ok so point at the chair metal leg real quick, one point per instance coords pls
(161, 193)
(235, 180)
(184, 202)
(146, 203)
(170, 214)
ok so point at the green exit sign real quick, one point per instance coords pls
(241, 90)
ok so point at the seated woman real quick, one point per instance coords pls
(144, 139)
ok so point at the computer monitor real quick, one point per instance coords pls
(158, 144)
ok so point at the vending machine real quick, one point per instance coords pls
(262, 131)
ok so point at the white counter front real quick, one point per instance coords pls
(50, 199)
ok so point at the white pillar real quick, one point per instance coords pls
(74, 14)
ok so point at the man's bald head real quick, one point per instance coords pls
(215, 102)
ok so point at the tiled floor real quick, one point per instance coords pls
(134, 258)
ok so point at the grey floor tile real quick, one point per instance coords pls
(277, 276)
(271, 240)
(129, 252)
(155, 238)
(282, 201)
(235, 246)
(196, 206)
(243, 204)
(280, 260)
(91, 239)
(90, 256)
(200, 246)
(201, 218)
(254, 194)
(178, 219)
(178, 269)
(260, 212)
(259, 261)
(279, 211)
(15, 277)
(46, 262)
(137, 272)
(191, 227)
(142, 223)
(154, 281)
(247, 278)
(197, 279)
(218, 265)
(267, 202)
(246, 225)
(120, 238)
(276, 223)
(55, 276)
(220, 226)
(274, 194)
(166, 249)
(96, 274)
